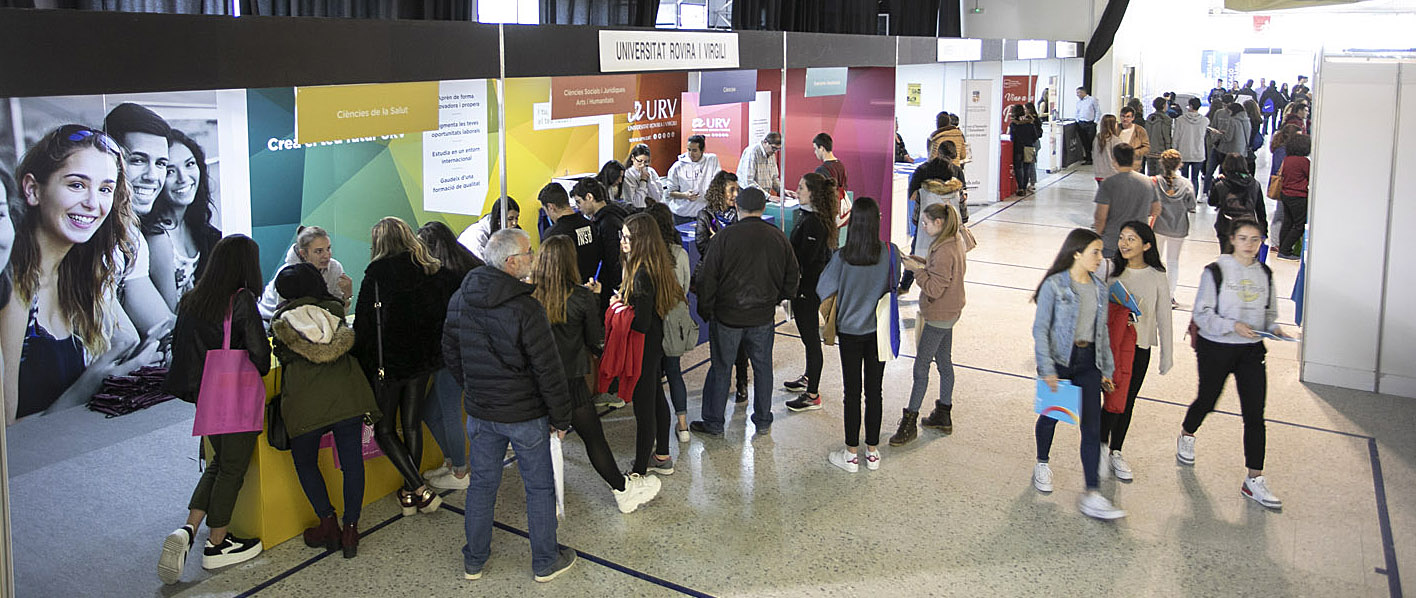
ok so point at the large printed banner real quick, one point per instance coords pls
(977, 123)
(1017, 89)
(182, 165)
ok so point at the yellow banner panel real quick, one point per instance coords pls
(336, 112)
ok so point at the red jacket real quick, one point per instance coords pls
(1295, 176)
(1123, 349)
(624, 352)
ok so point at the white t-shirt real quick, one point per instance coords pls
(142, 261)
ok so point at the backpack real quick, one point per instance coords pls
(1218, 274)
(680, 331)
(1233, 202)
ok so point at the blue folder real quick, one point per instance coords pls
(1065, 405)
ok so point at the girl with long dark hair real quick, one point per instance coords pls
(1236, 302)
(398, 324)
(476, 236)
(641, 181)
(64, 330)
(649, 288)
(1137, 267)
(941, 303)
(672, 364)
(813, 239)
(611, 175)
(178, 229)
(1071, 342)
(579, 331)
(226, 289)
(443, 411)
(858, 276)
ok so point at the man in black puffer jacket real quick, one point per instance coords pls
(497, 342)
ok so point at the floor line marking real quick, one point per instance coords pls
(1384, 520)
(604, 562)
(312, 560)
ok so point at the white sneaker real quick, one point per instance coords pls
(1103, 465)
(1257, 489)
(174, 555)
(683, 435)
(844, 459)
(1185, 449)
(1120, 467)
(872, 460)
(439, 472)
(1093, 504)
(637, 491)
(1042, 478)
(449, 481)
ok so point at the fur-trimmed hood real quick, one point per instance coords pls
(296, 316)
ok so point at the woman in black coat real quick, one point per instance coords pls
(398, 324)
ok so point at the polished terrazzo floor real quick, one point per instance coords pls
(750, 515)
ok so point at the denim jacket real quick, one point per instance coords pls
(1056, 322)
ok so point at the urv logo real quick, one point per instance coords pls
(654, 110)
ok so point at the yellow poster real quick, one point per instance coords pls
(912, 94)
(342, 112)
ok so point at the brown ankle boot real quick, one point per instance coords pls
(350, 539)
(324, 534)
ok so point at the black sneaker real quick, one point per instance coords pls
(741, 394)
(797, 385)
(702, 428)
(563, 563)
(805, 402)
(230, 551)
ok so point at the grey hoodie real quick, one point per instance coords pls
(1159, 128)
(1190, 136)
(1177, 198)
(1245, 297)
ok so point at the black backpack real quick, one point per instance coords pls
(1232, 201)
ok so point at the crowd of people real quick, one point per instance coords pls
(524, 341)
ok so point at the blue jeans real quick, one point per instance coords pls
(1083, 373)
(678, 391)
(349, 443)
(531, 440)
(443, 414)
(1191, 170)
(724, 342)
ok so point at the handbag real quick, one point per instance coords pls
(828, 320)
(1029, 154)
(1275, 186)
(887, 316)
(378, 333)
(277, 436)
(232, 395)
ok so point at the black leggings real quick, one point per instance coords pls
(1216, 361)
(587, 425)
(651, 407)
(401, 402)
(1115, 425)
(806, 312)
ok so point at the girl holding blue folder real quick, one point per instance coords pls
(1138, 272)
(1071, 342)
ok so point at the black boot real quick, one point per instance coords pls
(907, 431)
(939, 419)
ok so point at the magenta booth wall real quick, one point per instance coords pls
(861, 125)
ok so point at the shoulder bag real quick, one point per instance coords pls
(887, 314)
(276, 434)
(232, 395)
(1275, 186)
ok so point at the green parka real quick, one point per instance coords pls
(323, 382)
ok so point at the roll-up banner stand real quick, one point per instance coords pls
(979, 120)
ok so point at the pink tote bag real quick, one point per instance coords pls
(232, 396)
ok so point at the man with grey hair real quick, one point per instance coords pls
(497, 343)
(758, 166)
